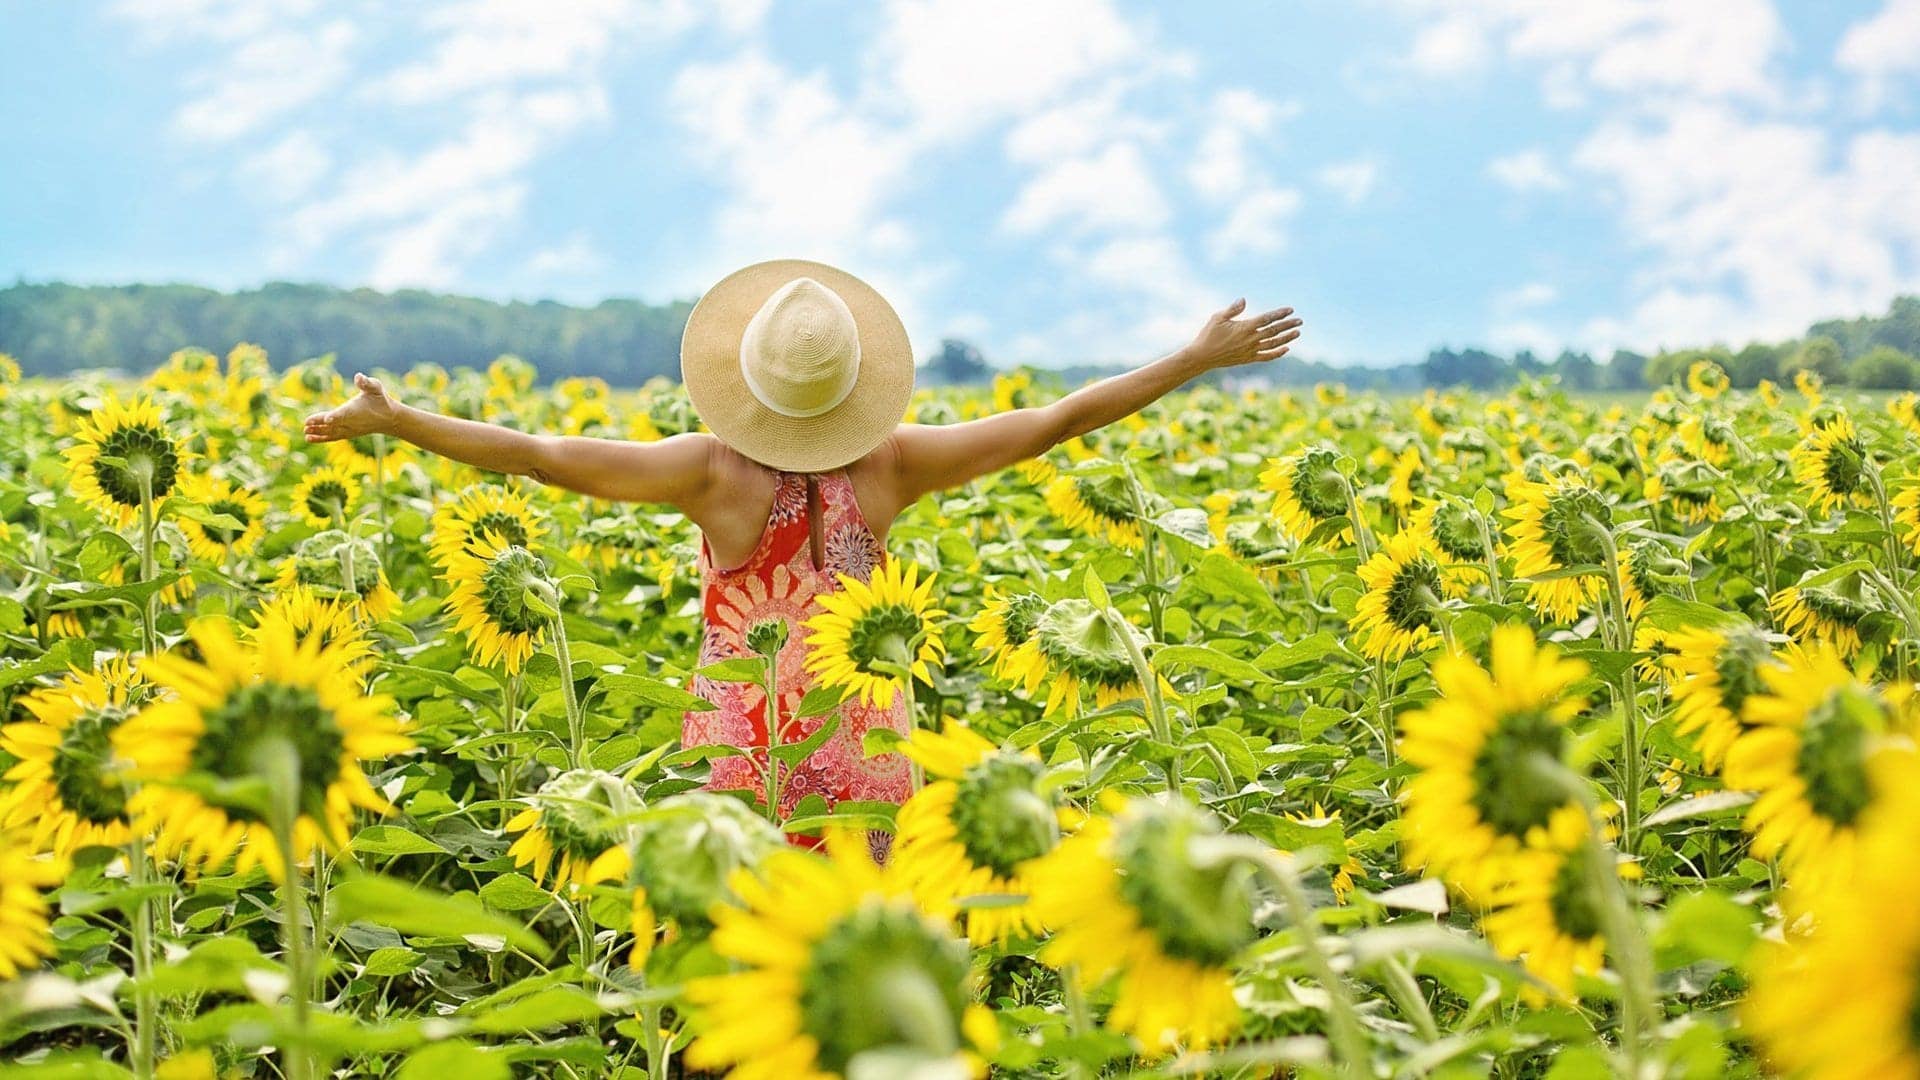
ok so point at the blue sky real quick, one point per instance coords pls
(1057, 180)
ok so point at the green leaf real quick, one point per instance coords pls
(79, 594)
(384, 901)
(391, 960)
(1208, 658)
(657, 694)
(1189, 523)
(795, 753)
(59, 656)
(1706, 925)
(750, 669)
(820, 701)
(515, 892)
(1708, 804)
(464, 1060)
(394, 840)
(1096, 590)
(554, 1007)
(1671, 613)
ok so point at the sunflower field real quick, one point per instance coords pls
(1262, 735)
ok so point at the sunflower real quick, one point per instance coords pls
(1554, 527)
(1100, 506)
(1400, 611)
(25, 937)
(832, 961)
(324, 498)
(1828, 614)
(480, 509)
(1546, 911)
(9, 374)
(1455, 530)
(1308, 489)
(1905, 409)
(1707, 379)
(1906, 515)
(1815, 732)
(488, 602)
(574, 835)
(1769, 392)
(969, 833)
(1082, 648)
(1126, 897)
(1839, 1003)
(66, 790)
(1809, 383)
(1638, 564)
(1477, 799)
(331, 619)
(685, 850)
(123, 449)
(1006, 624)
(1831, 465)
(1400, 482)
(218, 495)
(320, 564)
(888, 618)
(1340, 880)
(1715, 672)
(222, 713)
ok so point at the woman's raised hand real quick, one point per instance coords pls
(370, 412)
(1227, 340)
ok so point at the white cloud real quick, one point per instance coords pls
(263, 79)
(1223, 165)
(1532, 294)
(1526, 171)
(288, 169)
(957, 66)
(1715, 48)
(1113, 189)
(1257, 224)
(577, 255)
(1882, 48)
(1782, 223)
(1353, 181)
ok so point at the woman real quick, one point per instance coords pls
(802, 373)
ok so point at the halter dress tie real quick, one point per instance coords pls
(781, 581)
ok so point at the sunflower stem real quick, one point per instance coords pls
(1496, 589)
(1405, 991)
(657, 1061)
(1627, 690)
(279, 760)
(1890, 538)
(510, 766)
(1349, 1038)
(145, 1034)
(771, 679)
(576, 723)
(1149, 552)
(1079, 1018)
(1362, 534)
(148, 566)
(1150, 690)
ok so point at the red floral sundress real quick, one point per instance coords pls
(780, 581)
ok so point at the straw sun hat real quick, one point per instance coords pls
(798, 365)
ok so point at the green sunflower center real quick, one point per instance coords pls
(1108, 497)
(1842, 466)
(1076, 638)
(1000, 815)
(1737, 667)
(1458, 534)
(1568, 531)
(233, 509)
(1506, 792)
(319, 565)
(579, 811)
(238, 726)
(1317, 484)
(508, 527)
(1833, 754)
(145, 450)
(327, 499)
(1021, 617)
(883, 976)
(1575, 899)
(1832, 606)
(503, 591)
(884, 632)
(82, 767)
(1198, 913)
(1413, 594)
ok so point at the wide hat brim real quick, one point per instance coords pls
(710, 367)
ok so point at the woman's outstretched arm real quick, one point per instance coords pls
(933, 458)
(675, 470)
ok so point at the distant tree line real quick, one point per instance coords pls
(54, 328)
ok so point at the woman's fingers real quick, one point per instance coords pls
(1271, 354)
(1283, 338)
(1267, 319)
